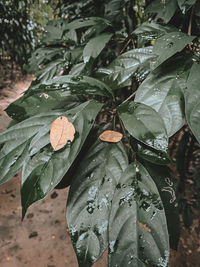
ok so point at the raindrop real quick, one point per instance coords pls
(153, 215)
(170, 44)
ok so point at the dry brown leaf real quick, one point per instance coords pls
(61, 132)
(146, 228)
(110, 136)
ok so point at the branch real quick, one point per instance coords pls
(190, 21)
(130, 96)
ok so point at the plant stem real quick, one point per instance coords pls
(190, 21)
(128, 98)
(125, 46)
(190, 25)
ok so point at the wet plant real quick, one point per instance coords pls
(129, 70)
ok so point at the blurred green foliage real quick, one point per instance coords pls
(21, 27)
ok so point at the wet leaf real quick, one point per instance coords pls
(153, 155)
(44, 168)
(17, 141)
(166, 185)
(163, 91)
(80, 85)
(61, 132)
(89, 200)
(94, 47)
(55, 32)
(68, 177)
(42, 102)
(169, 44)
(85, 22)
(144, 124)
(120, 70)
(12, 156)
(164, 9)
(192, 100)
(185, 5)
(138, 233)
(111, 136)
(152, 30)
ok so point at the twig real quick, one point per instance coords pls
(190, 21)
(125, 46)
(190, 25)
(130, 96)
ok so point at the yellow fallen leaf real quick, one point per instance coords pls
(61, 132)
(110, 136)
(146, 228)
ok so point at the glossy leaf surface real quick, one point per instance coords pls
(192, 100)
(164, 9)
(185, 4)
(90, 198)
(167, 190)
(80, 85)
(12, 156)
(144, 124)
(119, 72)
(152, 30)
(162, 90)
(153, 156)
(169, 44)
(24, 107)
(85, 22)
(138, 233)
(17, 141)
(44, 169)
(94, 47)
(51, 69)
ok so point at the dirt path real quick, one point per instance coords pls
(41, 239)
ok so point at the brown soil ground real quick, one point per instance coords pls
(42, 239)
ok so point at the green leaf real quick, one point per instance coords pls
(45, 169)
(90, 199)
(27, 128)
(69, 176)
(164, 9)
(119, 72)
(56, 33)
(162, 90)
(144, 124)
(166, 187)
(25, 107)
(80, 85)
(192, 100)
(77, 69)
(138, 233)
(43, 55)
(169, 44)
(152, 155)
(17, 140)
(152, 30)
(86, 22)
(185, 5)
(94, 47)
(12, 156)
(51, 70)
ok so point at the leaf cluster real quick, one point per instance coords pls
(106, 70)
